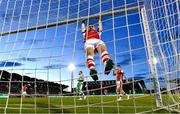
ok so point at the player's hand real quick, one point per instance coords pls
(83, 20)
(97, 18)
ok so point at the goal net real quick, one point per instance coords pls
(42, 52)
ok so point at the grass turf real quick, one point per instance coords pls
(92, 104)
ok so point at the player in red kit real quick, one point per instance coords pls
(24, 88)
(92, 42)
(119, 81)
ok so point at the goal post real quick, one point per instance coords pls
(40, 38)
(70, 21)
(152, 61)
(161, 27)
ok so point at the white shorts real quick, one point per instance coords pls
(24, 93)
(93, 43)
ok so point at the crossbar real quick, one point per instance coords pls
(71, 21)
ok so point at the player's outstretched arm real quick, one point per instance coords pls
(83, 25)
(100, 25)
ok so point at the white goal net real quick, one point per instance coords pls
(39, 39)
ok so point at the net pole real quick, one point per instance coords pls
(151, 57)
(144, 43)
(161, 52)
(164, 60)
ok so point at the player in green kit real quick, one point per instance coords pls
(80, 86)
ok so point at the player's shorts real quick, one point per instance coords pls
(118, 84)
(93, 43)
(24, 93)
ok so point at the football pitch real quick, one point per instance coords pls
(92, 104)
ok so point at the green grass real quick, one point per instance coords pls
(93, 104)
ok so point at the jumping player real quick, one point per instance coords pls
(119, 82)
(80, 85)
(93, 43)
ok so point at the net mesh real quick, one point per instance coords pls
(39, 39)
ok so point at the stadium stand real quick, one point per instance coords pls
(41, 86)
(109, 87)
(177, 82)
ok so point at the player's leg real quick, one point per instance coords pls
(118, 90)
(24, 94)
(124, 93)
(77, 88)
(105, 57)
(81, 91)
(90, 62)
(121, 88)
